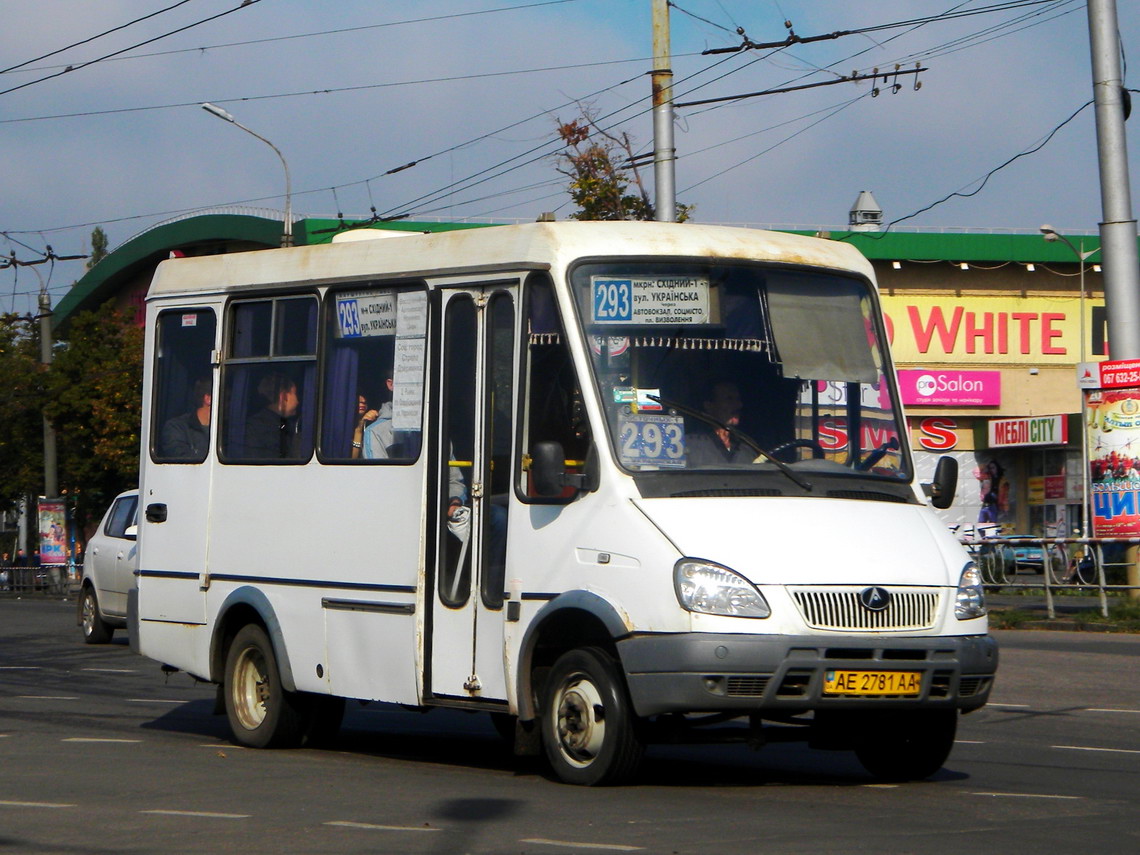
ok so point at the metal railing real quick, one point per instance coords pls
(1056, 564)
(41, 579)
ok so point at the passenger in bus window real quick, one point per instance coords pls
(365, 416)
(187, 437)
(273, 431)
(379, 437)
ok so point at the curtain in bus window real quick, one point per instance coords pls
(340, 416)
(819, 329)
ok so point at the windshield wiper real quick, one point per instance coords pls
(736, 432)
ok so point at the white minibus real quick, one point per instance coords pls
(613, 483)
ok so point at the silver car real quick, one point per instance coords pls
(109, 571)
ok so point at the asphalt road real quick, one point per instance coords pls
(102, 753)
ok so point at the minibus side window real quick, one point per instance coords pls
(373, 374)
(499, 411)
(183, 391)
(269, 381)
(552, 409)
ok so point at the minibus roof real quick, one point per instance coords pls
(535, 246)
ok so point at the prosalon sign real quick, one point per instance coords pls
(924, 388)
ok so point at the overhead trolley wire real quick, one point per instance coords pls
(92, 38)
(340, 31)
(245, 5)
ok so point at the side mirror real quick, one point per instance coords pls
(548, 468)
(131, 532)
(945, 483)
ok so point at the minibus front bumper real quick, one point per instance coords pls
(721, 672)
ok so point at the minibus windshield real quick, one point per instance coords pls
(707, 367)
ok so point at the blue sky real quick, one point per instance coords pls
(473, 88)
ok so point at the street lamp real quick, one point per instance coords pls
(1051, 235)
(287, 235)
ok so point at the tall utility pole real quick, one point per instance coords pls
(1118, 228)
(664, 155)
(51, 474)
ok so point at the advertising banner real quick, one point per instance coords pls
(989, 330)
(1114, 461)
(53, 531)
(927, 388)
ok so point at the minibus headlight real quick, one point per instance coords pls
(714, 590)
(971, 601)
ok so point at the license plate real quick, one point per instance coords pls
(866, 683)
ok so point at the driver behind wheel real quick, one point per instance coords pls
(716, 446)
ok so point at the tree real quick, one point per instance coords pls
(98, 247)
(21, 398)
(598, 182)
(94, 400)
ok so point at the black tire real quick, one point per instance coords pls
(588, 727)
(1086, 569)
(95, 629)
(906, 746)
(260, 712)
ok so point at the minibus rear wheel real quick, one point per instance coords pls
(588, 727)
(261, 713)
(907, 745)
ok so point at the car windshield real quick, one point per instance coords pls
(715, 367)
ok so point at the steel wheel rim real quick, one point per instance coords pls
(250, 689)
(581, 733)
(88, 614)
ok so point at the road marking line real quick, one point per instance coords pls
(1099, 709)
(47, 697)
(98, 739)
(34, 805)
(112, 670)
(20, 668)
(1029, 796)
(969, 742)
(200, 813)
(570, 844)
(371, 827)
(154, 701)
(880, 786)
(1087, 748)
(1016, 706)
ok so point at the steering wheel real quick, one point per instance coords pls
(816, 448)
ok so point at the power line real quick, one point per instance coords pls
(92, 38)
(326, 91)
(985, 179)
(269, 40)
(245, 4)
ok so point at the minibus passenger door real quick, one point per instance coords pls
(473, 495)
(174, 500)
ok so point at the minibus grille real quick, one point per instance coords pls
(840, 609)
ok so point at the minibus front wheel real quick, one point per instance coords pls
(906, 745)
(261, 713)
(588, 727)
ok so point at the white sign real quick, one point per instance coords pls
(650, 300)
(411, 313)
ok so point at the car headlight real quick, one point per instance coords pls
(971, 600)
(710, 589)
